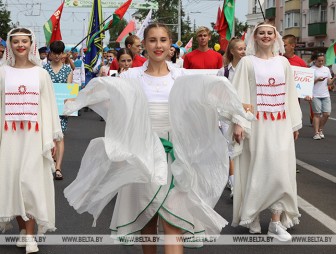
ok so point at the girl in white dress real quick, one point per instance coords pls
(265, 175)
(146, 103)
(29, 130)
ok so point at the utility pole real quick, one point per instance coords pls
(179, 21)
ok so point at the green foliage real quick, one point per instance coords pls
(115, 31)
(168, 14)
(5, 21)
(240, 28)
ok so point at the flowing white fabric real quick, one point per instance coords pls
(200, 168)
(131, 161)
(128, 153)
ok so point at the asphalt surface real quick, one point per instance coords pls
(313, 188)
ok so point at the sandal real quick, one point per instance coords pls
(58, 175)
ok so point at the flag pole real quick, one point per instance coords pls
(94, 30)
(262, 12)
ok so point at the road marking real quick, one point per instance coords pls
(317, 214)
(331, 118)
(316, 171)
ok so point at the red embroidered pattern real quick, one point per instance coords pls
(281, 84)
(22, 89)
(21, 114)
(273, 95)
(34, 93)
(271, 105)
(21, 103)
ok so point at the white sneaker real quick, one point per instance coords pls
(321, 134)
(21, 242)
(228, 184)
(317, 136)
(278, 231)
(255, 227)
(31, 245)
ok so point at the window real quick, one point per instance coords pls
(318, 14)
(270, 3)
(333, 13)
(304, 20)
(292, 19)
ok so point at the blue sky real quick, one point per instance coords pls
(34, 13)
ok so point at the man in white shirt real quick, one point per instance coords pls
(321, 97)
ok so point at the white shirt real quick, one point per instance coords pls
(320, 89)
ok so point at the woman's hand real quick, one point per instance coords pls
(296, 135)
(70, 99)
(248, 107)
(238, 133)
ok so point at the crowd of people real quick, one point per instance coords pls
(147, 156)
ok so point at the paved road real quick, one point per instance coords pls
(313, 189)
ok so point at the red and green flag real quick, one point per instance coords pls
(117, 16)
(52, 28)
(130, 28)
(331, 55)
(226, 24)
(188, 46)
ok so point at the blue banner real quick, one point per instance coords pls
(65, 91)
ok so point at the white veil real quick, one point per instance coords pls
(33, 56)
(278, 46)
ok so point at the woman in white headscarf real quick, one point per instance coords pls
(265, 175)
(29, 129)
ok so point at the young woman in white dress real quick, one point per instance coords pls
(29, 130)
(235, 51)
(265, 175)
(148, 104)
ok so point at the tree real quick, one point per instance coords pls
(240, 28)
(5, 21)
(115, 31)
(167, 13)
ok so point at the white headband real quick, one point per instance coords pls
(21, 34)
(267, 25)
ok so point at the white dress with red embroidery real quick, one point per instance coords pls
(29, 126)
(265, 175)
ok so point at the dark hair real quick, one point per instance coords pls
(144, 52)
(157, 25)
(173, 58)
(124, 51)
(21, 30)
(290, 37)
(43, 50)
(57, 47)
(130, 39)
